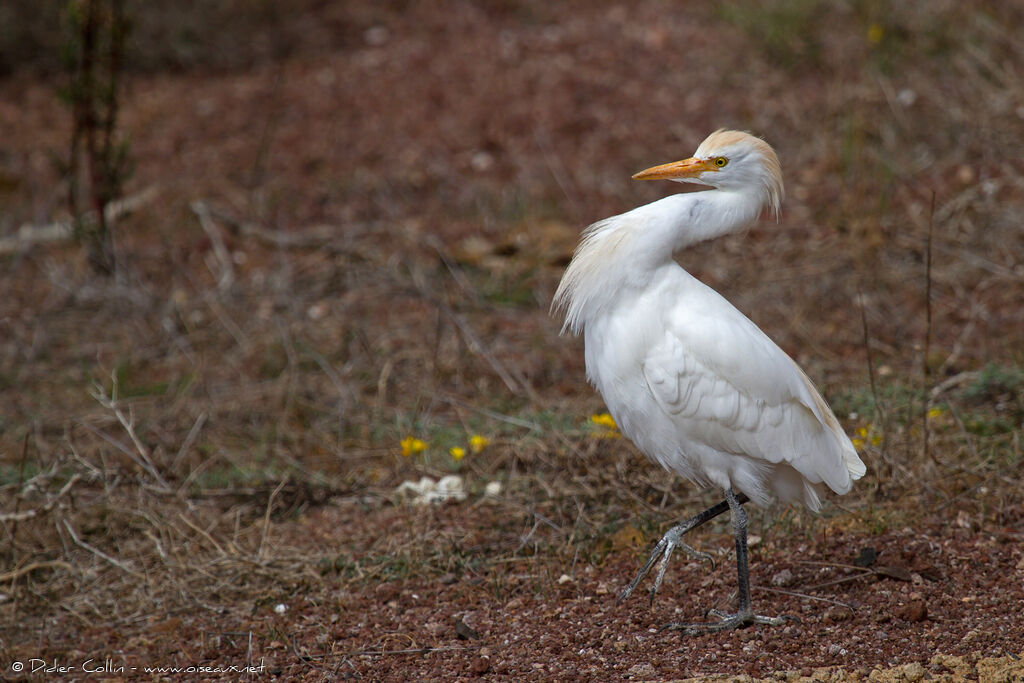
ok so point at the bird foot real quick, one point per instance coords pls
(668, 543)
(727, 622)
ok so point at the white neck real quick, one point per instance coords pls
(623, 252)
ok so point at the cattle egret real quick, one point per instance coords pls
(697, 386)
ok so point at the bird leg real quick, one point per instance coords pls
(744, 616)
(672, 539)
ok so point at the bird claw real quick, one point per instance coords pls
(727, 622)
(668, 543)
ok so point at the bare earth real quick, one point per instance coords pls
(958, 593)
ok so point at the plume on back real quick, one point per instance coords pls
(580, 291)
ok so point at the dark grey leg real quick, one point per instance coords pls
(673, 539)
(744, 616)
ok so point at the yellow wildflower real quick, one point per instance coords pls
(610, 431)
(934, 413)
(411, 444)
(875, 33)
(457, 452)
(864, 436)
(477, 443)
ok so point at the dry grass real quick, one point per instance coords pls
(330, 267)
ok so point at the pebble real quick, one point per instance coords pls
(480, 665)
(376, 35)
(464, 631)
(783, 578)
(643, 671)
(913, 611)
(914, 672)
(836, 614)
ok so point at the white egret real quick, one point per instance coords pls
(696, 385)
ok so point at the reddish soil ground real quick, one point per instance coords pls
(938, 595)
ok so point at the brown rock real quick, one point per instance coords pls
(915, 610)
(836, 615)
(480, 665)
(464, 631)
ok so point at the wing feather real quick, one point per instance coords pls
(728, 387)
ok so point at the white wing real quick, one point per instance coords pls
(730, 390)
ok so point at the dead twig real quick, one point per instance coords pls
(953, 382)
(519, 422)
(202, 532)
(230, 325)
(99, 553)
(128, 424)
(266, 519)
(29, 514)
(806, 596)
(21, 478)
(519, 387)
(889, 571)
(476, 346)
(313, 238)
(408, 651)
(220, 250)
(190, 438)
(29, 568)
(882, 415)
(30, 234)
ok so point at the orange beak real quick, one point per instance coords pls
(687, 168)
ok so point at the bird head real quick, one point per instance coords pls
(727, 160)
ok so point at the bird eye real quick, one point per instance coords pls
(720, 161)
